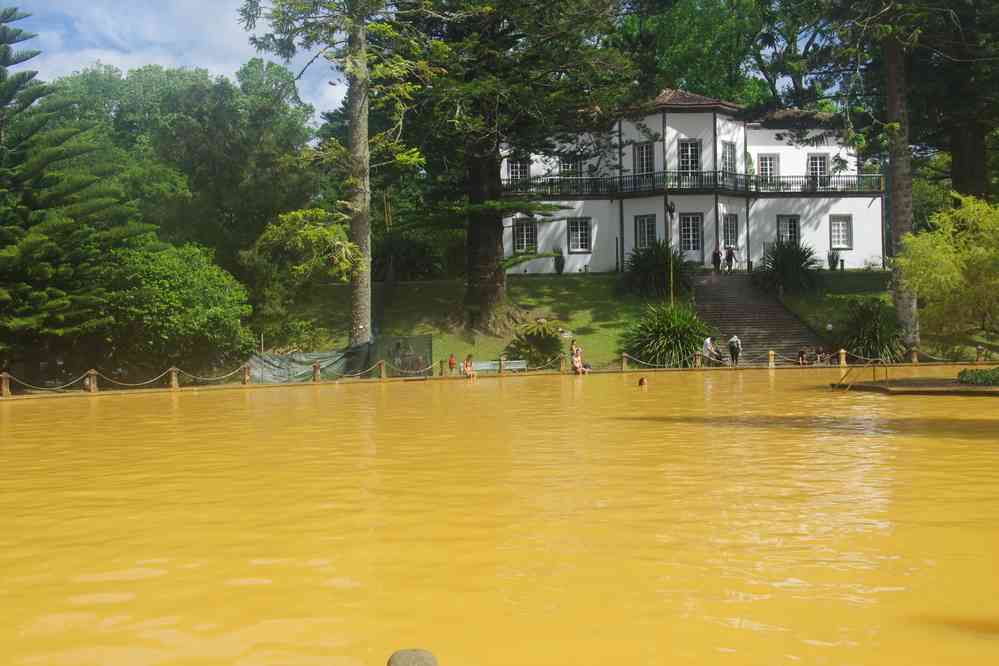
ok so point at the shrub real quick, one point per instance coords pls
(870, 329)
(789, 265)
(174, 306)
(979, 377)
(536, 342)
(667, 335)
(646, 269)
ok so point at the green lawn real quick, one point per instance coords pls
(827, 305)
(588, 305)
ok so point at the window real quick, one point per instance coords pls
(580, 239)
(841, 232)
(645, 161)
(569, 165)
(690, 155)
(728, 157)
(818, 169)
(518, 169)
(645, 231)
(525, 237)
(768, 170)
(787, 229)
(690, 232)
(730, 230)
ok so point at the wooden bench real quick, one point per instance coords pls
(494, 366)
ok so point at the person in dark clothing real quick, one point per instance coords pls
(716, 259)
(734, 349)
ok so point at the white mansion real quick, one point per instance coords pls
(693, 172)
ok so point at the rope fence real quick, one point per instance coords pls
(89, 382)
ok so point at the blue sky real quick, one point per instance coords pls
(74, 34)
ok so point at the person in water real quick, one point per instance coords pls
(452, 363)
(468, 367)
(642, 382)
(578, 367)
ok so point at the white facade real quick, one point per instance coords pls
(693, 172)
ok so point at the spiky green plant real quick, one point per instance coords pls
(788, 265)
(646, 270)
(871, 330)
(537, 342)
(666, 335)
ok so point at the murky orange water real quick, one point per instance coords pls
(720, 518)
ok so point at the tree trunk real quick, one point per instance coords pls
(359, 183)
(968, 172)
(486, 278)
(900, 183)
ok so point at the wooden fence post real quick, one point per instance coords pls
(914, 356)
(174, 381)
(381, 370)
(624, 362)
(4, 385)
(979, 354)
(246, 374)
(442, 367)
(502, 363)
(697, 359)
(771, 359)
(317, 372)
(91, 385)
(561, 363)
(842, 358)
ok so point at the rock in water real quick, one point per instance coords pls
(412, 658)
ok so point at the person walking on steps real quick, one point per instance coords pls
(734, 349)
(716, 259)
(729, 258)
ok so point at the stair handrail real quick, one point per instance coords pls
(873, 364)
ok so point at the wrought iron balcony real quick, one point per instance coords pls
(692, 182)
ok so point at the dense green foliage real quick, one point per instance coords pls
(538, 342)
(666, 335)
(203, 158)
(979, 377)
(408, 256)
(82, 280)
(297, 250)
(646, 271)
(58, 222)
(955, 270)
(789, 266)
(174, 306)
(869, 329)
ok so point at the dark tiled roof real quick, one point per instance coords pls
(682, 100)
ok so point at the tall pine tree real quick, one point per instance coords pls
(57, 221)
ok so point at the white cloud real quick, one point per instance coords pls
(74, 34)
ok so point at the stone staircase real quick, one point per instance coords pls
(732, 305)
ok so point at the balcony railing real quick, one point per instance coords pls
(691, 181)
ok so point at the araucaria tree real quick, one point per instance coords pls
(339, 32)
(56, 220)
(520, 77)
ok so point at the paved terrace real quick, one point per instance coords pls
(694, 182)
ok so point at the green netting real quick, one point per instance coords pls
(409, 356)
(404, 356)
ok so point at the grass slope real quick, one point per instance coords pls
(588, 305)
